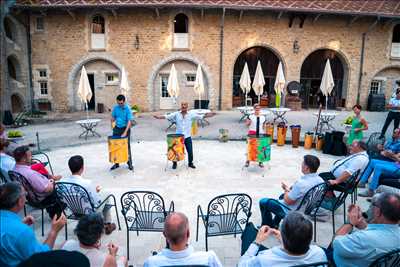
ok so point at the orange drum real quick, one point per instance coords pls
(259, 148)
(176, 147)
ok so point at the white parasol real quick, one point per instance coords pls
(279, 85)
(84, 90)
(124, 84)
(327, 82)
(173, 84)
(259, 82)
(245, 81)
(199, 84)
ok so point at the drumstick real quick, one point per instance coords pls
(316, 128)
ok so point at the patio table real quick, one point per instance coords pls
(88, 127)
(325, 120)
(202, 121)
(246, 112)
(279, 114)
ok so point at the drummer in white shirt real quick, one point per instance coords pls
(183, 119)
(256, 123)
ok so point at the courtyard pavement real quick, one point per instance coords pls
(219, 171)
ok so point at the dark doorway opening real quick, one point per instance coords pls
(269, 64)
(311, 73)
(92, 102)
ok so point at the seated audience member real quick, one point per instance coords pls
(391, 147)
(56, 258)
(42, 186)
(359, 243)
(292, 196)
(343, 169)
(178, 251)
(7, 163)
(89, 231)
(295, 234)
(18, 241)
(378, 167)
(76, 166)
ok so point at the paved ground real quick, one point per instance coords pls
(219, 170)
(65, 131)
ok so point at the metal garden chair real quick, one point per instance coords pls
(79, 203)
(390, 259)
(32, 197)
(144, 211)
(310, 203)
(226, 215)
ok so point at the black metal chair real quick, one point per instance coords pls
(32, 197)
(390, 259)
(372, 144)
(144, 211)
(41, 157)
(4, 178)
(315, 264)
(226, 215)
(310, 203)
(332, 203)
(79, 203)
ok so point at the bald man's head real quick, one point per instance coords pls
(176, 229)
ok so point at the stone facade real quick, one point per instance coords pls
(15, 79)
(142, 41)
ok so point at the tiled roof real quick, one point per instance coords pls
(384, 8)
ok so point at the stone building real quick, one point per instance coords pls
(361, 39)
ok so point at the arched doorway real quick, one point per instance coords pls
(17, 104)
(311, 73)
(269, 63)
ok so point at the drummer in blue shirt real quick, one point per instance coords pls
(183, 119)
(122, 117)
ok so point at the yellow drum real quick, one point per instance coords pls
(118, 149)
(176, 147)
(258, 148)
(308, 140)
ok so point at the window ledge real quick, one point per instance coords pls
(394, 58)
(180, 49)
(97, 50)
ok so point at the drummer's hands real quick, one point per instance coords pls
(124, 134)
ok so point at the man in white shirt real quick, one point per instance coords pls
(7, 163)
(295, 235)
(394, 113)
(183, 120)
(344, 168)
(255, 122)
(76, 166)
(292, 196)
(178, 251)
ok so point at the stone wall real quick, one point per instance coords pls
(65, 45)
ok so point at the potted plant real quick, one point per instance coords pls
(15, 135)
(135, 110)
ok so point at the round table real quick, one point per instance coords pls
(263, 112)
(88, 127)
(325, 119)
(202, 121)
(246, 112)
(279, 114)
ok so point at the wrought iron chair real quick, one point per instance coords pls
(372, 144)
(390, 259)
(144, 211)
(79, 203)
(310, 203)
(333, 203)
(316, 264)
(226, 215)
(32, 197)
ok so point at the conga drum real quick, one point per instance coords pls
(176, 147)
(118, 149)
(259, 148)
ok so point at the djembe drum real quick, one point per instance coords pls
(259, 148)
(118, 149)
(176, 147)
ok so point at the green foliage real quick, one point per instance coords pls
(136, 107)
(348, 120)
(14, 134)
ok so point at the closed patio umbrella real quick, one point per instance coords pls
(279, 84)
(258, 82)
(199, 83)
(124, 84)
(173, 83)
(245, 81)
(84, 91)
(327, 82)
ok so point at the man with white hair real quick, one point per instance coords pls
(178, 251)
(183, 119)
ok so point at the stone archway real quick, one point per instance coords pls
(154, 91)
(17, 103)
(269, 59)
(311, 73)
(73, 102)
